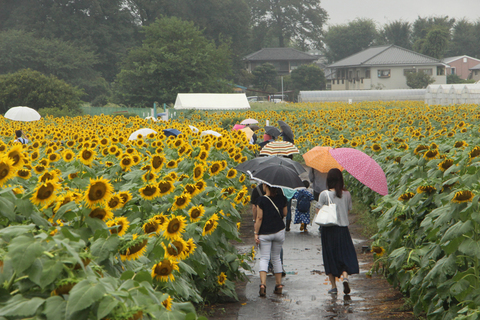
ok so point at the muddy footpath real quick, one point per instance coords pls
(305, 293)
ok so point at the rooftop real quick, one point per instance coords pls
(269, 54)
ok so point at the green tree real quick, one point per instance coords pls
(464, 40)
(436, 42)
(422, 26)
(67, 61)
(105, 26)
(36, 90)
(265, 76)
(397, 33)
(301, 21)
(346, 39)
(419, 80)
(308, 77)
(175, 57)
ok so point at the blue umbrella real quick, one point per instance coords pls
(171, 132)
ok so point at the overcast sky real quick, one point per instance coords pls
(384, 11)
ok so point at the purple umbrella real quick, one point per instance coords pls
(362, 167)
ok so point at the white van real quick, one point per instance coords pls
(277, 98)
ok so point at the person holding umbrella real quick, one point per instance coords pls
(339, 257)
(19, 138)
(270, 234)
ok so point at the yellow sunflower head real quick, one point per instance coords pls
(176, 250)
(7, 170)
(44, 193)
(15, 153)
(118, 225)
(151, 227)
(222, 278)
(406, 196)
(445, 164)
(198, 171)
(134, 249)
(167, 303)
(196, 213)
(101, 213)
(201, 185)
(160, 218)
(126, 196)
(215, 168)
(165, 187)
(210, 225)
(181, 201)
(149, 192)
(463, 196)
(22, 173)
(232, 173)
(163, 270)
(86, 156)
(99, 191)
(157, 162)
(115, 202)
(174, 227)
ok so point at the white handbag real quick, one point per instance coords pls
(327, 215)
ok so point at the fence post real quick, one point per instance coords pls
(155, 110)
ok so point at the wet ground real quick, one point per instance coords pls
(305, 293)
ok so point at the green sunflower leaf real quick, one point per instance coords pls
(18, 306)
(83, 295)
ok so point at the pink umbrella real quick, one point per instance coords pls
(362, 167)
(238, 127)
(249, 121)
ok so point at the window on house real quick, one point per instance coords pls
(476, 72)
(407, 71)
(426, 71)
(452, 71)
(358, 74)
(440, 71)
(367, 74)
(383, 73)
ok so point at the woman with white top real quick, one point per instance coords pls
(339, 256)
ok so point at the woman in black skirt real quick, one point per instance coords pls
(339, 257)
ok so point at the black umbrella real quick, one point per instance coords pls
(272, 131)
(263, 143)
(278, 175)
(287, 131)
(259, 163)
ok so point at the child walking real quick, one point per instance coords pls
(302, 211)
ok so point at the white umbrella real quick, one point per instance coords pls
(22, 114)
(144, 132)
(194, 129)
(214, 133)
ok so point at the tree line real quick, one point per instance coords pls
(135, 52)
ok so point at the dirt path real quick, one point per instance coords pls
(305, 294)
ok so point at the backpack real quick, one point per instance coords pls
(303, 203)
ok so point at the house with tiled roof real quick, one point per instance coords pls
(383, 67)
(475, 72)
(461, 66)
(284, 59)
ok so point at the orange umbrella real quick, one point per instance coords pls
(248, 132)
(319, 158)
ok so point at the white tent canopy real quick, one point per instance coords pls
(212, 101)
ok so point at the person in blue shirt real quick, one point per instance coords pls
(302, 210)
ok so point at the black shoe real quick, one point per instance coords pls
(284, 274)
(346, 286)
(287, 227)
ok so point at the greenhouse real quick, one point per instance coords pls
(362, 95)
(447, 94)
(212, 101)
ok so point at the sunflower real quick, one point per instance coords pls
(115, 202)
(151, 227)
(198, 171)
(174, 227)
(121, 225)
(54, 157)
(181, 201)
(63, 200)
(68, 155)
(160, 218)
(72, 175)
(34, 156)
(163, 270)
(474, 153)
(196, 213)
(44, 193)
(22, 173)
(134, 249)
(149, 176)
(202, 155)
(215, 168)
(232, 173)
(191, 246)
(221, 279)
(86, 156)
(242, 178)
(126, 162)
(210, 225)
(176, 250)
(149, 192)
(99, 191)
(101, 213)
(126, 196)
(463, 196)
(379, 251)
(172, 176)
(201, 185)
(171, 164)
(431, 154)
(420, 147)
(165, 187)
(190, 189)
(460, 144)
(157, 162)
(167, 303)
(426, 189)
(406, 196)
(445, 164)
(7, 170)
(15, 153)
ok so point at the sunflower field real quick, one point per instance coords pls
(428, 243)
(96, 226)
